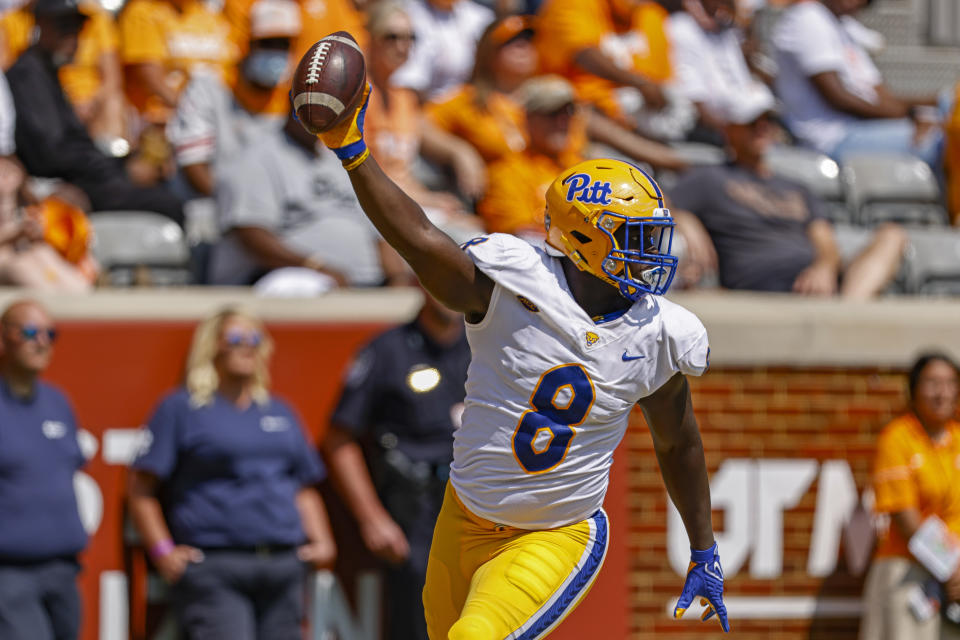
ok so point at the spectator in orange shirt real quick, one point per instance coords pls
(163, 43)
(486, 113)
(515, 198)
(916, 476)
(393, 121)
(92, 80)
(616, 54)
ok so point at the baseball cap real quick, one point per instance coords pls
(748, 106)
(56, 7)
(546, 94)
(274, 19)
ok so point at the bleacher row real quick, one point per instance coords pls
(868, 190)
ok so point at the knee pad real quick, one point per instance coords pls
(472, 627)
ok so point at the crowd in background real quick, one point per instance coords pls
(181, 107)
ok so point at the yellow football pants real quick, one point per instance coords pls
(490, 582)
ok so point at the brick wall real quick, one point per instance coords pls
(761, 413)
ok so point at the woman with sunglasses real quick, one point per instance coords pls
(222, 492)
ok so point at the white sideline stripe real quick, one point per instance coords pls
(114, 617)
(342, 40)
(315, 97)
(778, 608)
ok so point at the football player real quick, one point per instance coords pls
(566, 338)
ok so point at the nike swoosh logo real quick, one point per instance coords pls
(627, 358)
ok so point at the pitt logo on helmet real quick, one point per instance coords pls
(579, 183)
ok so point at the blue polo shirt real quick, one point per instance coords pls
(39, 454)
(229, 476)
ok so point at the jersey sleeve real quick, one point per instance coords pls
(685, 338)
(893, 482)
(158, 448)
(497, 254)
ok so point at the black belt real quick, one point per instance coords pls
(33, 562)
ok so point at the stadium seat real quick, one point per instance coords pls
(140, 247)
(932, 262)
(891, 187)
(817, 172)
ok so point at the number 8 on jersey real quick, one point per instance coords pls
(553, 415)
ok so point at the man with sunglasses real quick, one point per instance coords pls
(567, 337)
(41, 533)
(770, 233)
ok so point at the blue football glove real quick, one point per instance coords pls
(704, 579)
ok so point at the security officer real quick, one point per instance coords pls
(40, 529)
(390, 446)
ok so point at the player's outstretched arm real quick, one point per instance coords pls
(676, 440)
(442, 267)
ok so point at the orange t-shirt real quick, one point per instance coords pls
(499, 130)
(516, 192)
(194, 39)
(495, 131)
(319, 18)
(566, 27)
(392, 129)
(913, 472)
(81, 77)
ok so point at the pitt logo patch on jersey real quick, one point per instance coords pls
(528, 305)
(579, 187)
(591, 338)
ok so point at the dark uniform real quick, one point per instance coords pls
(402, 401)
(40, 528)
(228, 485)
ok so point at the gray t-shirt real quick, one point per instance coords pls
(210, 126)
(306, 199)
(758, 225)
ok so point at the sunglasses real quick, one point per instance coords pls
(242, 339)
(33, 332)
(400, 37)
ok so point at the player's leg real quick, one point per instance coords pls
(535, 580)
(448, 572)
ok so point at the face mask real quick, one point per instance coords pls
(266, 68)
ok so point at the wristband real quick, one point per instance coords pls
(161, 549)
(703, 556)
(356, 161)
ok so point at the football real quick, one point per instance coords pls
(329, 82)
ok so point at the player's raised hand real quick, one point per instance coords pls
(346, 139)
(704, 580)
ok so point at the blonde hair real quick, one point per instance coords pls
(202, 380)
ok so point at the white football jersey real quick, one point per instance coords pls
(549, 390)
